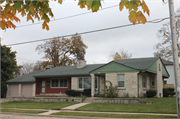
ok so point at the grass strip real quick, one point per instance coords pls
(160, 105)
(23, 111)
(36, 105)
(111, 115)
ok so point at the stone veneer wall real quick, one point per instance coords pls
(74, 83)
(123, 101)
(130, 81)
(38, 99)
(160, 82)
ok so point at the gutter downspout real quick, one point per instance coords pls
(138, 83)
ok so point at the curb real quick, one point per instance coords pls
(56, 116)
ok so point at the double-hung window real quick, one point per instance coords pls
(152, 80)
(59, 83)
(120, 80)
(144, 81)
(84, 83)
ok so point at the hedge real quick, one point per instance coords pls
(151, 93)
(73, 93)
(87, 92)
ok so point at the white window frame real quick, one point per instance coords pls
(121, 81)
(82, 82)
(59, 82)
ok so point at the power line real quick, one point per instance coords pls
(67, 17)
(26, 59)
(87, 32)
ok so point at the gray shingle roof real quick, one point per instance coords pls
(27, 78)
(137, 63)
(68, 71)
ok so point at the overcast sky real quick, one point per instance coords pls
(137, 39)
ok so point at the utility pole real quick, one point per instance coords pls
(175, 55)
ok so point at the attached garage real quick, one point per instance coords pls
(27, 90)
(23, 86)
(13, 90)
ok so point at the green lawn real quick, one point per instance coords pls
(36, 105)
(160, 105)
(111, 115)
(22, 111)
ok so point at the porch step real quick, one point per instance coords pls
(73, 107)
(89, 99)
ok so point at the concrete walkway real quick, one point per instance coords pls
(2, 100)
(73, 107)
(49, 112)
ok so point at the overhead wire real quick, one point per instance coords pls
(68, 16)
(87, 32)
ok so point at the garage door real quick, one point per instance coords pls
(27, 90)
(13, 90)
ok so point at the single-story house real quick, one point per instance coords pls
(133, 76)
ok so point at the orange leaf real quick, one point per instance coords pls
(145, 8)
(3, 25)
(60, 1)
(132, 17)
(140, 17)
(122, 4)
(30, 18)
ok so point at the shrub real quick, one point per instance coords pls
(171, 89)
(111, 91)
(151, 93)
(126, 95)
(87, 92)
(165, 92)
(168, 91)
(73, 93)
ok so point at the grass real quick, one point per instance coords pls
(160, 105)
(36, 105)
(111, 115)
(22, 111)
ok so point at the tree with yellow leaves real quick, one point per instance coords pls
(122, 54)
(63, 51)
(40, 10)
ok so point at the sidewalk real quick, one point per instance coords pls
(54, 111)
(73, 107)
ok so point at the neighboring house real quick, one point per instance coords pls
(133, 76)
(170, 68)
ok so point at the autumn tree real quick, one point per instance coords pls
(63, 51)
(41, 65)
(164, 47)
(41, 10)
(8, 67)
(122, 54)
(26, 68)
